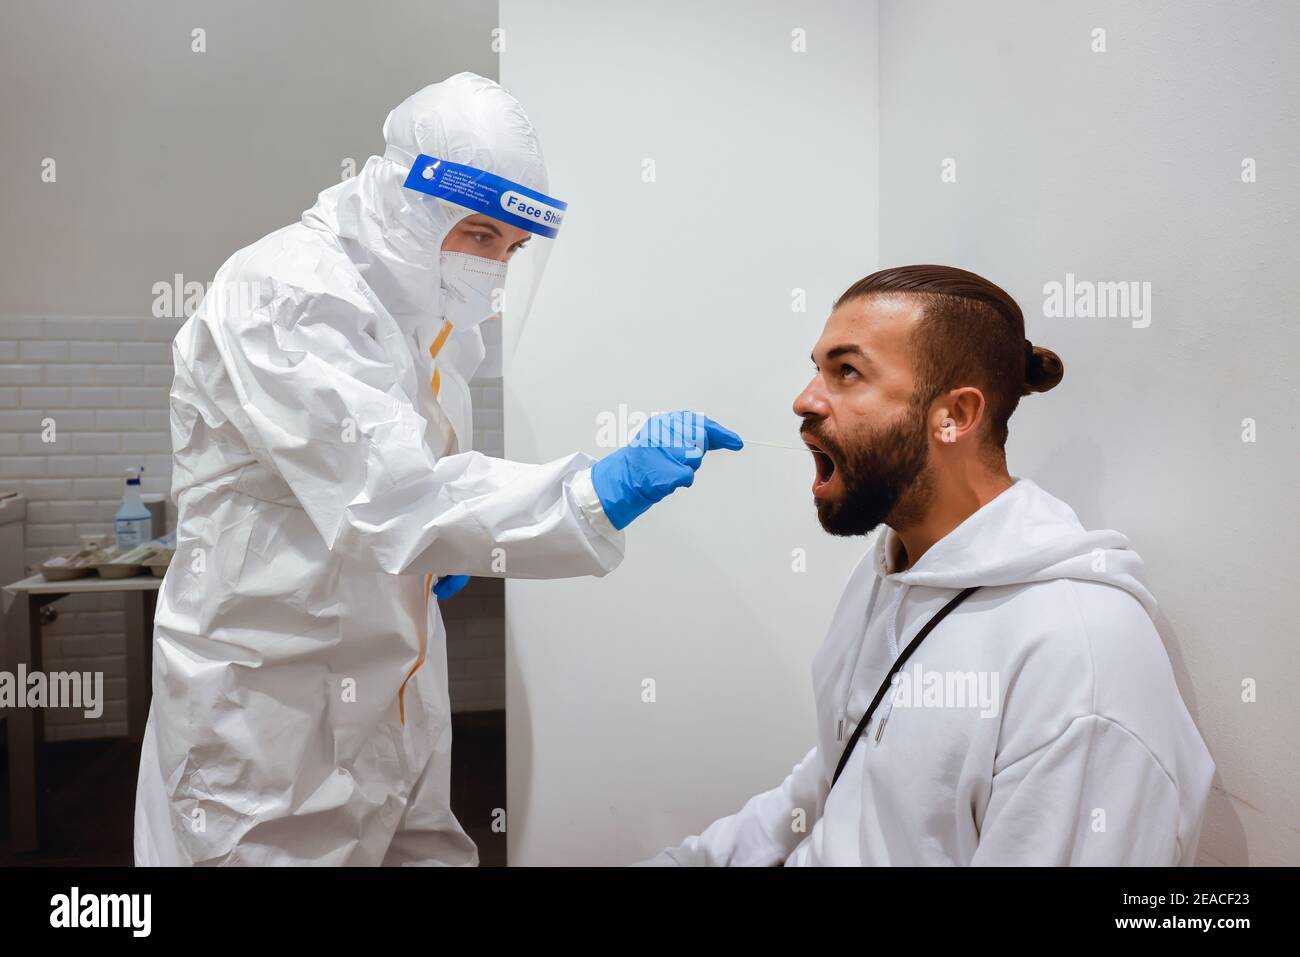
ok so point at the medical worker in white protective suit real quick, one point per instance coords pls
(321, 426)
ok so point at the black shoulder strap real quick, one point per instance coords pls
(939, 616)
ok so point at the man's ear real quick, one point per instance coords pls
(956, 415)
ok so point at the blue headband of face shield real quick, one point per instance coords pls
(487, 193)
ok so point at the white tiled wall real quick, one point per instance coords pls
(102, 383)
(476, 617)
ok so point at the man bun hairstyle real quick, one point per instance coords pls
(971, 333)
(1043, 369)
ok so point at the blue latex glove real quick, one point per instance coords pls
(448, 585)
(660, 458)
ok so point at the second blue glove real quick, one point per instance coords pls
(448, 585)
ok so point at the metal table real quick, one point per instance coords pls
(26, 725)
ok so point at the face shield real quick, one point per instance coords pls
(513, 204)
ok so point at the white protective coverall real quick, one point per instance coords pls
(321, 484)
(1072, 745)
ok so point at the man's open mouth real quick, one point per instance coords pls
(824, 463)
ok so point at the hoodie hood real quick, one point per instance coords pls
(1024, 535)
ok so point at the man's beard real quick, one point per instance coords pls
(884, 476)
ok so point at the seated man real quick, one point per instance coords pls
(1038, 722)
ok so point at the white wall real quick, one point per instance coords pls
(1116, 166)
(167, 161)
(1126, 165)
(670, 294)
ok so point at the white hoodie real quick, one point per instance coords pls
(1071, 744)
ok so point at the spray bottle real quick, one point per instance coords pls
(133, 523)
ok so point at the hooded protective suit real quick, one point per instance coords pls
(1039, 723)
(323, 474)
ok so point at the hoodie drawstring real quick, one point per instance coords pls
(891, 631)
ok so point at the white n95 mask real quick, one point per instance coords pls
(472, 288)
